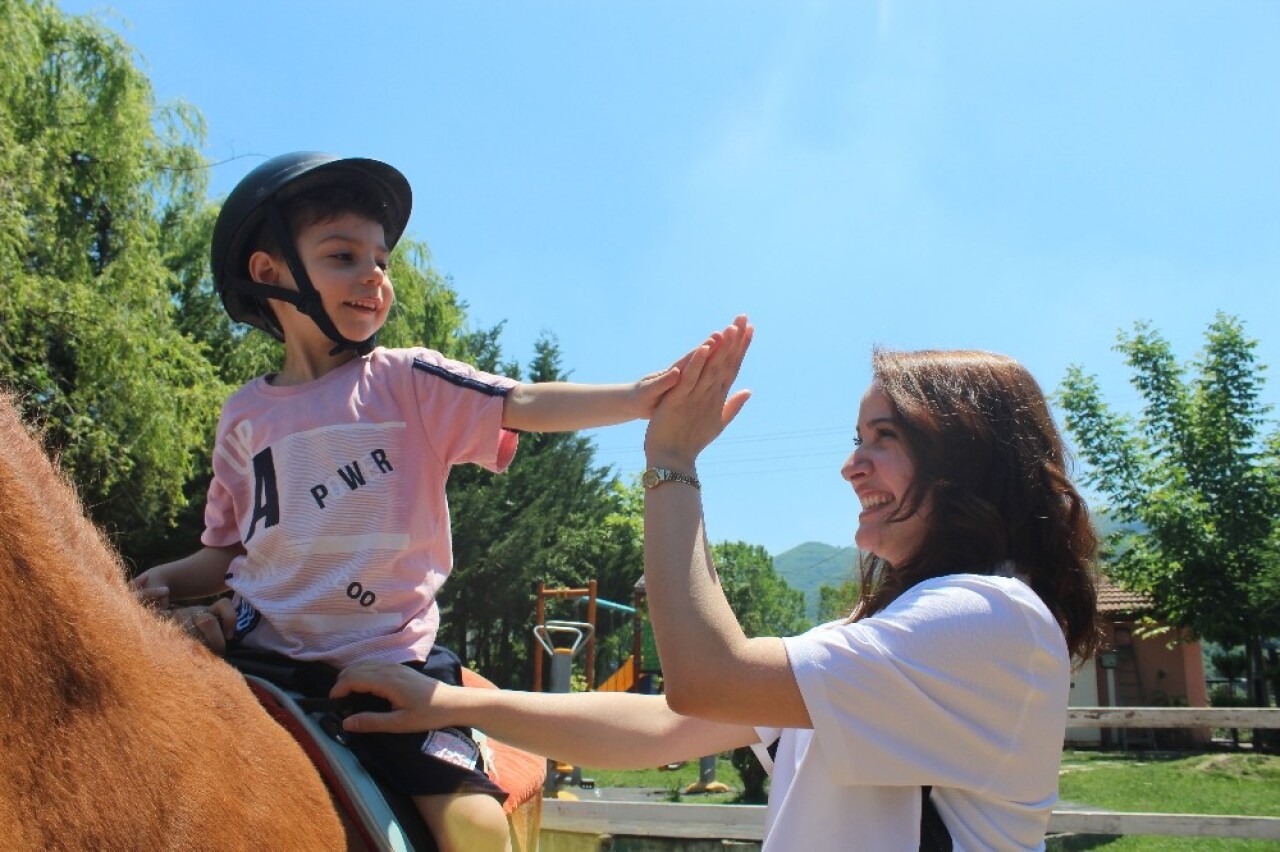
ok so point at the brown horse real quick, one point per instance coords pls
(117, 731)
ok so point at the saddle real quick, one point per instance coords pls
(384, 820)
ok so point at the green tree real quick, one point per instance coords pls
(100, 193)
(427, 311)
(762, 600)
(765, 606)
(1196, 484)
(553, 517)
(837, 601)
(110, 331)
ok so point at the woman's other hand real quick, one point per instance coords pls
(416, 700)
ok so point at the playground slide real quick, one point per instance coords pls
(622, 680)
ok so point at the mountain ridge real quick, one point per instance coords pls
(808, 566)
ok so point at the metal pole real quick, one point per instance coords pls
(591, 640)
(537, 649)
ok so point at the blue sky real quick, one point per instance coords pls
(1025, 177)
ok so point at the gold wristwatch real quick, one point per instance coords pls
(655, 476)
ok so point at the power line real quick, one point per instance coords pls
(800, 434)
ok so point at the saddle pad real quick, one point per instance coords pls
(518, 772)
(384, 825)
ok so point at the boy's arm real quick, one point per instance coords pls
(606, 730)
(569, 406)
(199, 575)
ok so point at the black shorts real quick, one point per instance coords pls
(428, 763)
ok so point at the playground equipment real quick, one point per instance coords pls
(590, 650)
(707, 782)
(636, 674)
(562, 640)
(633, 675)
(625, 677)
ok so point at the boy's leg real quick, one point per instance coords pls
(462, 822)
(443, 772)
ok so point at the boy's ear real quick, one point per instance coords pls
(263, 268)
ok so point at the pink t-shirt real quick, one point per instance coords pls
(336, 489)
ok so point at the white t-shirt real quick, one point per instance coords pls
(961, 684)
(336, 489)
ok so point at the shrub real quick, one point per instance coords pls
(752, 774)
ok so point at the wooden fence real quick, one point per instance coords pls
(746, 822)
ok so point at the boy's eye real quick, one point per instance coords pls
(341, 255)
(857, 440)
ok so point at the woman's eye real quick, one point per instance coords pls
(344, 256)
(857, 441)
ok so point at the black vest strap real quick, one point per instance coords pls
(934, 836)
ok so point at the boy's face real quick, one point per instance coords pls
(346, 258)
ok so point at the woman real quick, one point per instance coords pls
(952, 672)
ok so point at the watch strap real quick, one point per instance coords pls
(655, 476)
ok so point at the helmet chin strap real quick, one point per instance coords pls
(307, 298)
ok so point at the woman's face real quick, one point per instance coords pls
(881, 471)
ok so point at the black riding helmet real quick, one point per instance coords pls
(256, 202)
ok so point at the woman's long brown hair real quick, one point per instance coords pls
(991, 463)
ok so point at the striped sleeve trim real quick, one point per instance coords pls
(453, 378)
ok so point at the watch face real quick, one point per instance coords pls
(649, 478)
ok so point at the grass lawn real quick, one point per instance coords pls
(673, 781)
(1213, 783)
(1210, 783)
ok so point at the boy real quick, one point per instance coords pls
(327, 515)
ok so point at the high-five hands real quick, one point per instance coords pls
(694, 412)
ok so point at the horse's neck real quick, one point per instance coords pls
(65, 601)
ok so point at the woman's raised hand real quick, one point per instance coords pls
(693, 413)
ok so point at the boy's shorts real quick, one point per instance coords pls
(426, 763)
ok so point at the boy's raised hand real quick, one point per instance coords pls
(692, 414)
(650, 389)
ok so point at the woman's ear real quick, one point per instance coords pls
(263, 268)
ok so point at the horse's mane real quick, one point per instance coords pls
(116, 730)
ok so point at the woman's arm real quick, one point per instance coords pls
(606, 730)
(710, 668)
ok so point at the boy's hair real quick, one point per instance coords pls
(991, 461)
(322, 203)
